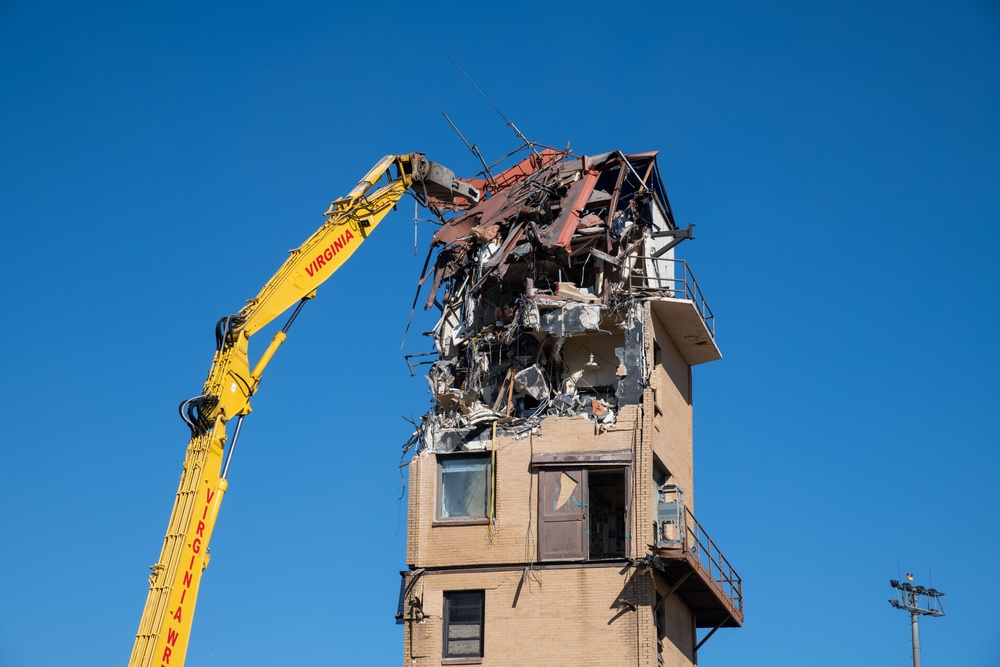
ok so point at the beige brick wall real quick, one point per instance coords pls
(514, 539)
(563, 615)
(671, 420)
(678, 624)
(596, 616)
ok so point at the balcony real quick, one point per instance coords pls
(675, 297)
(694, 566)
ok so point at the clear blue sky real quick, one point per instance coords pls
(841, 163)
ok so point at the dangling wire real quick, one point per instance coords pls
(493, 485)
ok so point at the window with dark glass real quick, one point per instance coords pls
(464, 487)
(463, 624)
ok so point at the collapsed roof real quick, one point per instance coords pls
(540, 287)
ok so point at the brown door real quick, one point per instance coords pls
(562, 533)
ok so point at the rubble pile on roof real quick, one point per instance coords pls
(540, 287)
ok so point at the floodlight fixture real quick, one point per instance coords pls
(919, 601)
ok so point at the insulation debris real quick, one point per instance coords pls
(541, 288)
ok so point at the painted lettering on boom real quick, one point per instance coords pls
(173, 634)
(329, 253)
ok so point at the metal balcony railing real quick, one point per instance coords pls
(677, 530)
(671, 278)
(710, 559)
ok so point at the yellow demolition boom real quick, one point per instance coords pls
(165, 627)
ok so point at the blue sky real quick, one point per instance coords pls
(841, 163)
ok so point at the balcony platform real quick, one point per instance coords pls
(688, 329)
(703, 593)
(676, 299)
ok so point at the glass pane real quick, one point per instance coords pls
(464, 487)
(463, 632)
(566, 498)
(464, 647)
(472, 599)
(464, 614)
(464, 624)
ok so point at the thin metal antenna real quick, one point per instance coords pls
(509, 122)
(475, 151)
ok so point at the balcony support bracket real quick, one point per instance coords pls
(672, 589)
(710, 633)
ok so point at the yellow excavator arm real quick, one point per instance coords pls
(165, 627)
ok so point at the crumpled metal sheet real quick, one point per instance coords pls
(560, 232)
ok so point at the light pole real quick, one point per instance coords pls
(919, 601)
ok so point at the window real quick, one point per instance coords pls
(583, 513)
(463, 624)
(464, 488)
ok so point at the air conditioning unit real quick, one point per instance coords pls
(669, 517)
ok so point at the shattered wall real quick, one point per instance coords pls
(540, 288)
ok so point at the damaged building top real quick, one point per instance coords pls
(551, 487)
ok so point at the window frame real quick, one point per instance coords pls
(439, 519)
(584, 463)
(446, 622)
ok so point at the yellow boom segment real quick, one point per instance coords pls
(173, 585)
(165, 627)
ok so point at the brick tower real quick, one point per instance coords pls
(551, 491)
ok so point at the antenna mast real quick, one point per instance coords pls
(509, 122)
(475, 151)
